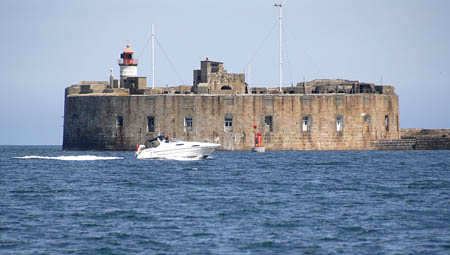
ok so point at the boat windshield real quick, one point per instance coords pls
(161, 138)
(156, 141)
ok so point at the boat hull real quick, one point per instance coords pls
(258, 149)
(189, 152)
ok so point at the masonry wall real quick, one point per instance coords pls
(417, 139)
(92, 121)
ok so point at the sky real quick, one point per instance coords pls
(47, 46)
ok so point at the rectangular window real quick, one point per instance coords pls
(229, 123)
(339, 123)
(187, 123)
(151, 124)
(386, 122)
(119, 121)
(268, 122)
(367, 119)
(306, 123)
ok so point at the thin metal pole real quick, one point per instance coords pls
(281, 47)
(153, 56)
(281, 43)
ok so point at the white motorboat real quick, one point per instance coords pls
(163, 148)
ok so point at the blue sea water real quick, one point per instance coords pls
(290, 202)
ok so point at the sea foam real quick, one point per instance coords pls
(78, 157)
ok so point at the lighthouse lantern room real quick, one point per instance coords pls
(128, 65)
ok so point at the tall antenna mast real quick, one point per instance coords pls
(281, 42)
(153, 56)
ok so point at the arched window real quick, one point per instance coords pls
(225, 87)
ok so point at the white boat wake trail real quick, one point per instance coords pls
(79, 157)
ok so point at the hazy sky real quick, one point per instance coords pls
(49, 45)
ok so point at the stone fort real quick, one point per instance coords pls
(326, 114)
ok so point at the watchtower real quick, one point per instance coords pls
(212, 78)
(128, 65)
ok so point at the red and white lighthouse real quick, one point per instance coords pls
(128, 65)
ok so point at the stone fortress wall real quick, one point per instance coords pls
(288, 122)
(315, 115)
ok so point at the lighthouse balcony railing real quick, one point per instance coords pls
(128, 61)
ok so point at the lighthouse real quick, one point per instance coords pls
(128, 65)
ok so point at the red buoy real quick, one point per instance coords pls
(258, 140)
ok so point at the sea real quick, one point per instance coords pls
(236, 202)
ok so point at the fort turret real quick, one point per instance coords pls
(128, 65)
(212, 78)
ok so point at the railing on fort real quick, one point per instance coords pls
(128, 61)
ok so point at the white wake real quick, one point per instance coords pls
(79, 158)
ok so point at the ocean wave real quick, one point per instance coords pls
(78, 157)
